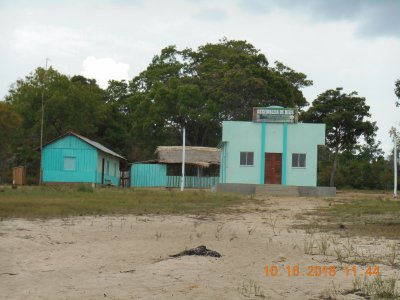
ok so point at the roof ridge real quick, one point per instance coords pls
(94, 144)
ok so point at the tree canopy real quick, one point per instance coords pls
(345, 117)
(70, 104)
(201, 88)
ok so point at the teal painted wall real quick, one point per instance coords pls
(223, 163)
(70, 147)
(304, 138)
(148, 175)
(284, 155)
(240, 136)
(155, 175)
(111, 168)
(274, 137)
(262, 149)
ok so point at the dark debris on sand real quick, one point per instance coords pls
(199, 251)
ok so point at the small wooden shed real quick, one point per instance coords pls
(19, 175)
(72, 158)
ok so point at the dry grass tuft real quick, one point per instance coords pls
(376, 287)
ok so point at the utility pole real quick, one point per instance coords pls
(41, 127)
(395, 165)
(183, 159)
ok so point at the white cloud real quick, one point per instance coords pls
(104, 69)
(53, 40)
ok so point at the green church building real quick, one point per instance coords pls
(272, 149)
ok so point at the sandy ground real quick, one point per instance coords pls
(126, 257)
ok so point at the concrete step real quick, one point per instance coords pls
(277, 190)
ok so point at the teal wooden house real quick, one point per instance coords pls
(72, 158)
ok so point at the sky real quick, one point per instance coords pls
(354, 44)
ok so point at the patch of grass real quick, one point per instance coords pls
(331, 293)
(271, 221)
(376, 287)
(375, 217)
(393, 255)
(82, 188)
(251, 289)
(339, 256)
(56, 202)
(308, 245)
(323, 245)
(373, 206)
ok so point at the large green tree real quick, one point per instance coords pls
(70, 104)
(201, 88)
(345, 116)
(76, 103)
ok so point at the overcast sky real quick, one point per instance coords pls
(354, 44)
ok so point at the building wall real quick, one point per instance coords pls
(304, 138)
(80, 154)
(241, 136)
(262, 138)
(111, 168)
(148, 175)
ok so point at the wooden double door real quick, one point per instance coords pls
(273, 168)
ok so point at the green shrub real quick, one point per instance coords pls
(82, 188)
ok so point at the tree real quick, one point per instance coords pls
(201, 88)
(70, 104)
(10, 122)
(397, 91)
(297, 79)
(345, 118)
(116, 93)
(76, 103)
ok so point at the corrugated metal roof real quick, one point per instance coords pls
(90, 142)
(98, 146)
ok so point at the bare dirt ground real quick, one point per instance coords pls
(127, 257)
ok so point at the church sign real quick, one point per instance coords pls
(275, 114)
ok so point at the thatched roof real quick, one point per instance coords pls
(200, 156)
